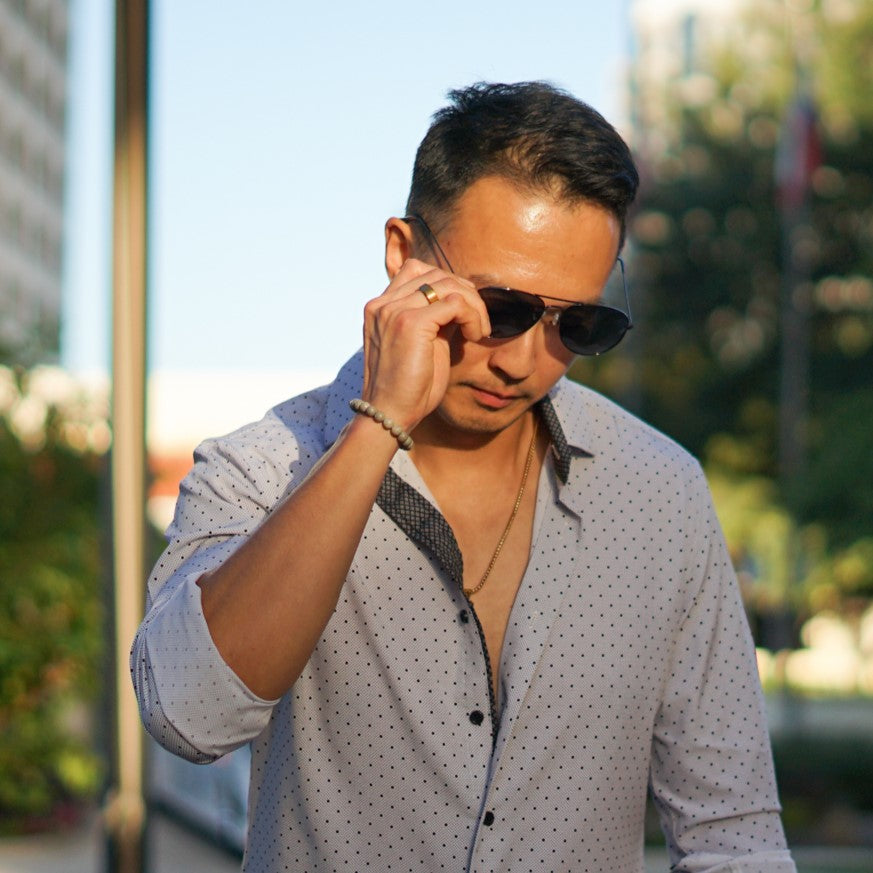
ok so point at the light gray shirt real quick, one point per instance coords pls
(627, 664)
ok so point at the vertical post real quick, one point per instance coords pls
(798, 154)
(794, 319)
(797, 157)
(125, 807)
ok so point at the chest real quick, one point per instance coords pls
(593, 618)
(495, 543)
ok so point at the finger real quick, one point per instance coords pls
(442, 287)
(466, 290)
(406, 290)
(413, 313)
(406, 286)
(411, 276)
(467, 312)
(414, 273)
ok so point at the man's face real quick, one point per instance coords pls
(502, 236)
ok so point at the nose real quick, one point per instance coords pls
(515, 357)
(552, 315)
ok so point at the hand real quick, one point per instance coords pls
(407, 340)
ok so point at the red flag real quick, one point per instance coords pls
(798, 154)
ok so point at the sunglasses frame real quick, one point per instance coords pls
(555, 311)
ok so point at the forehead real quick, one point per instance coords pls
(531, 239)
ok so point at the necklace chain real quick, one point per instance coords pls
(527, 465)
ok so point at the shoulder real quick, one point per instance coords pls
(617, 439)
(292, 426)
(289, 439)
(250, 469)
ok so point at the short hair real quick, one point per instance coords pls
(530, 133)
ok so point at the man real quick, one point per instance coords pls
(465, 622)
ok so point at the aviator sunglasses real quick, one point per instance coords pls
(584, 328)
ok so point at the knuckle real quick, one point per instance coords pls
(404, 318)
(411, 267)
(457, 299)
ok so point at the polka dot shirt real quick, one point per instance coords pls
(627, 666)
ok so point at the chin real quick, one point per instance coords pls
(479, 420)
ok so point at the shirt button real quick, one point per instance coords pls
(488, 819)
(464, 616)
(477, 717)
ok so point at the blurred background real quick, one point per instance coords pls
(280, 140)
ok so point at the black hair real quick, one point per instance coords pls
(530, 133)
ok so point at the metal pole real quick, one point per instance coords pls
(794, 380)
(797, 157)
(125, 807)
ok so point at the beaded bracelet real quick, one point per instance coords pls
(361, 407)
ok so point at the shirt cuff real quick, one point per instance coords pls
(198, 693)
(759, 862)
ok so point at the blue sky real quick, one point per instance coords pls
(282, 138)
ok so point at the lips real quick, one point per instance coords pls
(493, 399)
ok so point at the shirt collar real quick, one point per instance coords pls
(564, 413)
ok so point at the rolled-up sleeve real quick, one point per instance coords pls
(190, 700)
(712, 770)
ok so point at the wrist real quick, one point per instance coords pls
(367, 410)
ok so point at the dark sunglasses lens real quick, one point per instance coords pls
(510, 312)
(592, 330)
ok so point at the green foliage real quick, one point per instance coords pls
(710, 251)
(836, 489)
(846, 67)
(785, 567)
(707, 276)
(50, 620)
(760, 535)
(827, 794)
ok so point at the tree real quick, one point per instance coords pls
(51, 621)
(708, 262)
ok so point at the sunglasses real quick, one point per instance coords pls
(584, 328)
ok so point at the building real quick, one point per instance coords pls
(33, 88)
(672, 46)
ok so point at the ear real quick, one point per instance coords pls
(398, 245)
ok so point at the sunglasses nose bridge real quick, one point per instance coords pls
(552, 315)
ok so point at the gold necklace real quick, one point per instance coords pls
(469, 592)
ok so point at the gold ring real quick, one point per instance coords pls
(429, 294)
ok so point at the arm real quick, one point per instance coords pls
(260, 599)
(290, 572)
(712, 770)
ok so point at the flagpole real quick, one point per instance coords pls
(795, 165)
(798, 156)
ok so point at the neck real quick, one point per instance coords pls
(441, 449)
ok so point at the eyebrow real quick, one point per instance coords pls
(484, 279)
(487, 280)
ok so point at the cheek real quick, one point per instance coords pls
(458, 346)
(553, 370)
(553, 362)
(462, 351)
(556, 351)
